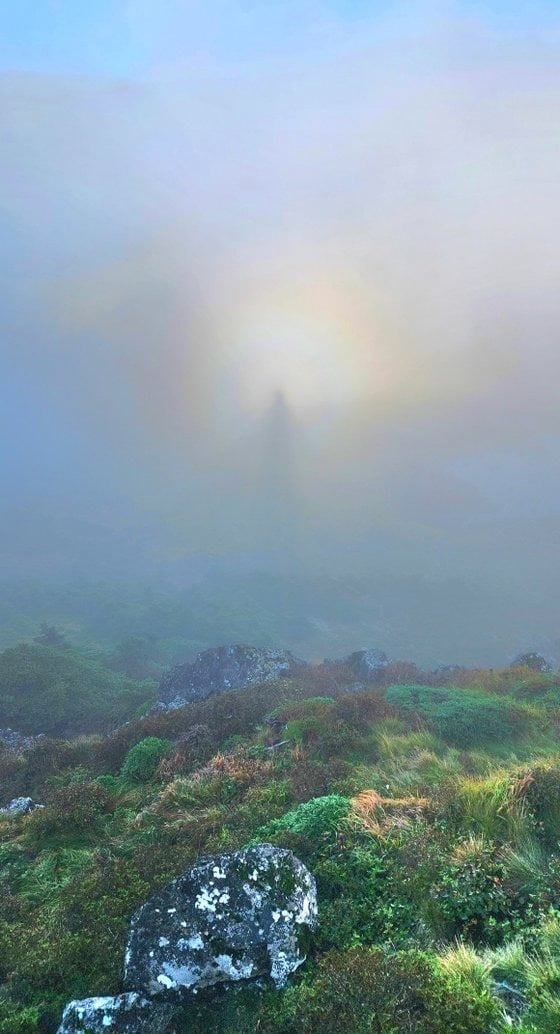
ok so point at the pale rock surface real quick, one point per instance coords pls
(124, 1014)
(220, 669)
(232, 917)
(20, 806)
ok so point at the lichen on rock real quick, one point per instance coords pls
(20, 806)
(129, 1013)
(232, 917)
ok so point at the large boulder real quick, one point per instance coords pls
(223, 668)
(126, 1014)
(232, 917)
(367, 664)
(533, 660)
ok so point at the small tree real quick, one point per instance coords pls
(50, 636)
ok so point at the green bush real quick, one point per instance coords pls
(472, 897)
(538, 788)
(141, 762)
(318, 820)
(464, 719)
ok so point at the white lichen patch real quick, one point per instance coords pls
(234, 970)
(165, 980)
(195, 942)
(209, 898)
(176, 975)
(256, 898)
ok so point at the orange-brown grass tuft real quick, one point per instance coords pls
(379, 814)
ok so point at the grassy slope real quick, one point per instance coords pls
(435, 850)
(62, 691)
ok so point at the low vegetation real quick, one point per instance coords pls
(428, 809)
(57, 690)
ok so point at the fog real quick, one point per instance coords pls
(280, 293)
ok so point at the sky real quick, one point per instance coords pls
(279, 286)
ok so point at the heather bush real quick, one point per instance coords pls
(72, 811)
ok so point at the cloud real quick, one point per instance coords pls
(361, 213)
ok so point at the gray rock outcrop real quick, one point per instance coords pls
(232, 917)
(125, 1014)
(20, 806)
(533, 660)
(220, 669)
(17, 741)
(367, 664)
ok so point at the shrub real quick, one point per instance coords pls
(470, 899)
(16, 1019)
(366, 990)
(71, 811)
(363, 709)
(355, 905)
(538, 789)
(315, 722)
(318, 820)
(539, 688)
(462, 718)
(142, 761)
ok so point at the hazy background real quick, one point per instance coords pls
(280, 301)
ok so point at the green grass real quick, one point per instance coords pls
(436, 858)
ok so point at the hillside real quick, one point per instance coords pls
(428, 814)
(449, 620)
(60, 691)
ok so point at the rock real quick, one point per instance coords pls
(367, 664)
(220, 669)
(532, 660)
(232, 917)
(20, 806)
(126, 1014)
(514, 1001)
(17, 742)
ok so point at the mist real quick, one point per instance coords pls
(280, 294)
